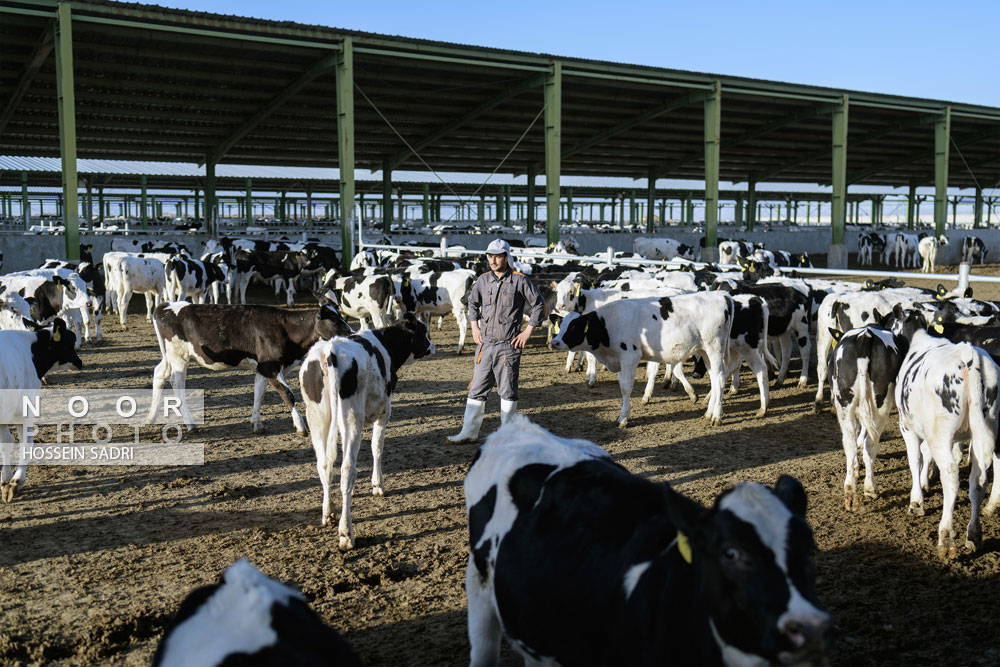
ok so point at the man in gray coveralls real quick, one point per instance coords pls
(496, 306)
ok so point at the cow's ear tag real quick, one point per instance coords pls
(684, 547)
(56, 336)
(938, 328)
(586, 325)
(58, 286)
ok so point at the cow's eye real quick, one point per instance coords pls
(734, 556)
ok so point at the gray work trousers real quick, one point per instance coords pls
(496, 364)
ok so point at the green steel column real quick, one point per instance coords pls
(197, 204)
(532, 174)
(100, 205)
(553, 149)
(211, 201)
(713, 130)
(942, 137)
(25, 204)
(838, 198)
(143, 202)
(309, 207)
(751, 204)
(954, 211)
(690, 211)
(345, 140)
(569, 205)
(63, 39)
(738, 211)
(631, 209)
(911, 206)
(425, 210)
(663, 212)
(386, 196)
(977, 212)
(248, 203)
(650, 201)
(506, 205)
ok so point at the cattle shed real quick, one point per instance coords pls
(120, 81)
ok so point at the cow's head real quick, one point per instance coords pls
(578, 331)
(54, 348)
(420, 345)
(329, 323)
(752, 554)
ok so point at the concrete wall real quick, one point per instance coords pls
(27, 251)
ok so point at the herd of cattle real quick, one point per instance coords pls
(930, 354)
(904, 250)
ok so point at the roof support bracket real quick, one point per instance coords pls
(41, 51)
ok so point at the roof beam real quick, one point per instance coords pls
(803, 114)
(41, 51)
(626, 125)
(920, 154)
(318, 68)
(511, 91)
(863, 139)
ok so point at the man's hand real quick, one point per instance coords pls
(521, 339)
(477, 335)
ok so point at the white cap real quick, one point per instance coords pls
(498, 247)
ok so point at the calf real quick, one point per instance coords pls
(927, 248)
(863, 370)
(667, 581)
(439, 293)
(220, 337)
(133, 274)
(248, 618)
(194, 280)
(974, 249)
(347, 383)
(662, 248)
(903, 249)
(870, 245)
(54, 293)
(282, 267)
(666, 330)
(360, 297)
(947, 393)
(25, 357)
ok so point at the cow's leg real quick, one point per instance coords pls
(913, 459)
(160, 375)
(6, 450)
(716, 375)
(678, 375)
(378, 440)
(949, 490)
(440, 322)
(318, 417)
(289, 292)
(925, 468)
(977, 488)
(462, 318)
(569, 360)
(869, 450)
(150, 304)
(351, 436)
(592, 369)
(97, 320)
(759, 368)
(123, 300)
(259, 385)
(849, 439)
(822, 351)
(244, 283)
(626, 378)
(484, 626)
(178, 380)
(802, 331)
(287, 397)
(24, 439)
(652, 368)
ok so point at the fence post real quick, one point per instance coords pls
(963, 276)
(444, 246)
(611, 255)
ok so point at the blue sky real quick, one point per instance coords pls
(917, 48)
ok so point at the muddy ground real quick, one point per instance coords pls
(93, 561)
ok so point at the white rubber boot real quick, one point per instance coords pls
(507, 408)
(474, 411)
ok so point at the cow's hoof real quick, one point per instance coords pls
(645, 400)
(871, 493)
(693, 397)
(817, 407)
(989, 510)
(345, 543)
(623, 423)
(916, 509)
(717, 421)
(258, 429)
(8, 492)
(762, 412)
(947, 550)
(802, 384)
(591, 383)
(378, 492)
(850, 500)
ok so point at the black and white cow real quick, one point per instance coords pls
(973, 250)
(863, 370)
(219, 337)
(947, 393)
(96, 289)
(927, 248)
(248, 618)
(662, 248)
(193, 280)
(439, 293)
(666, 330)
(25, 357)
(902, 249)
(731, 252)
(281, 267)
(347, 383)
(359, 296)
(576, 561)
(870, 245)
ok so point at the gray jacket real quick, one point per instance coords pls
(499, 305)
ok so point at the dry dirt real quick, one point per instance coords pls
(94, 560)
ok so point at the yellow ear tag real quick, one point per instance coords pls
(938, 328)
(585, 327)
(56, 335)
(684, 547)
(58, 286)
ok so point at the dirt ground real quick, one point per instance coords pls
(93, 561)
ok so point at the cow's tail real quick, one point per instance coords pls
(768, 357)
(331, 385)
(866, 408)
(469, 282)
(982, 424)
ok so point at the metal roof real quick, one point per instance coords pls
(160, 84)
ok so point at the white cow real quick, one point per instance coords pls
(927, 248)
